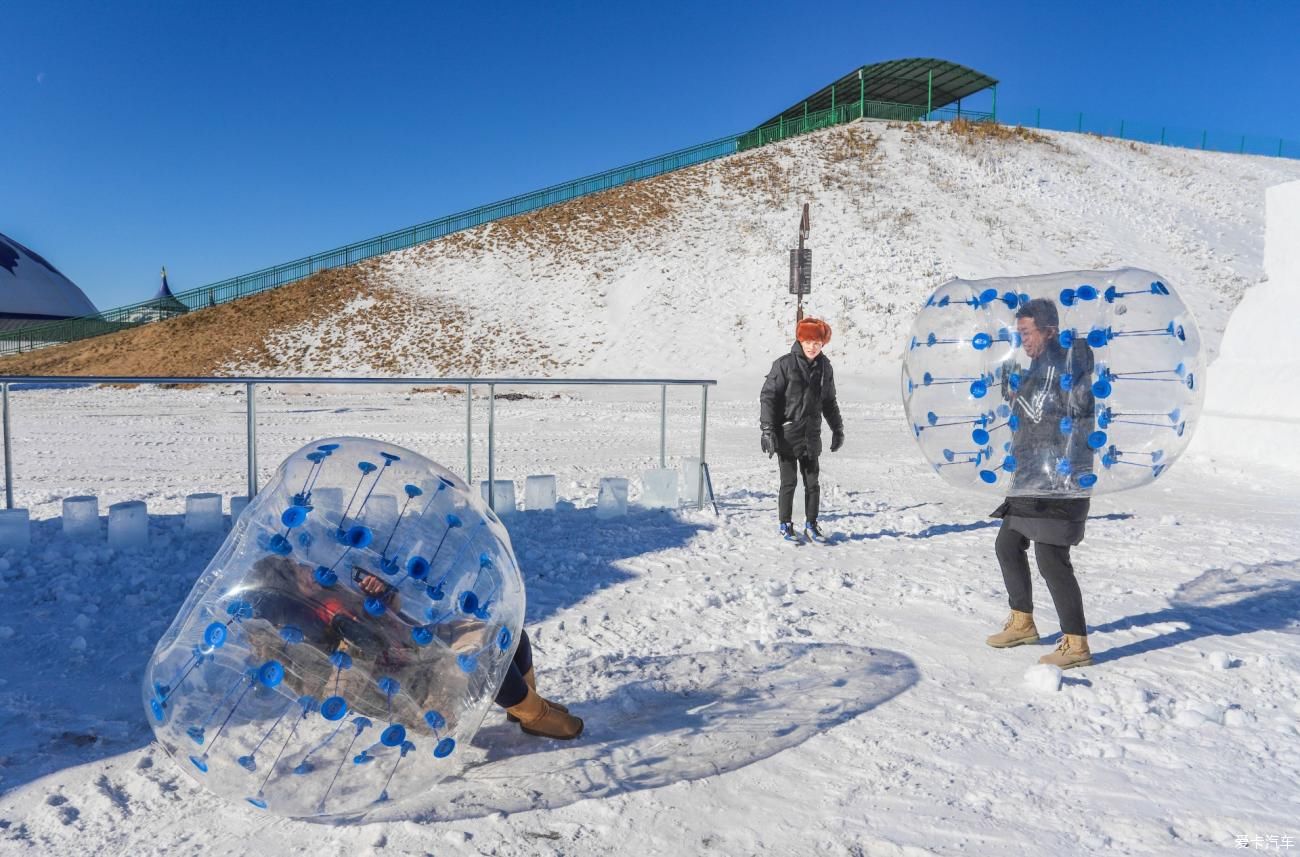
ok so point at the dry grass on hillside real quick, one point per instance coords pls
(846, 155)
(596, 222)
(757, 173)
(850, 143)
(633, 212)
(252, 333)
(316, 322)
(200, 343)
(972, 133)
(401, 333)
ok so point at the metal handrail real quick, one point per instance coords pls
(250, 383)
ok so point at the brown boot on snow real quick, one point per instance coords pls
(530, 679)
(1072, 652)
(537, 716)
(1018, 630)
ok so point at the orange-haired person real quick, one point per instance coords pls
(798, 393)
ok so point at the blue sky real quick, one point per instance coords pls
(219, 138)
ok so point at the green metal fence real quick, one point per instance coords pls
(1183, 137)
(785, 128)
(121, 318)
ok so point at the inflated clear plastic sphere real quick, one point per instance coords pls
(1061, 385)
(346, 640)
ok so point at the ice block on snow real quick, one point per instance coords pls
(539, 494)
(659, 489)
(612, 500)
(504, 491)
(691, 479)
(128, 525)
(81, 517)
(203, 513)
(15, 529)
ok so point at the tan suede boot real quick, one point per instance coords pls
(530, 679)
(1072, 652)
(1018, 630)
(537, 716)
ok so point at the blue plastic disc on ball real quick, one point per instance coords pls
(293, 516)
(334, 708)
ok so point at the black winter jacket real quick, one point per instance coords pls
(1049, 459)
(798, 392)
(1047, 504)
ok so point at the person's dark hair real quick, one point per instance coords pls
(1042, 311)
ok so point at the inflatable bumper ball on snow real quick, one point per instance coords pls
(1062, 385)
(347, 638)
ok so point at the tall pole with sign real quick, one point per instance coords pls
(801, 267)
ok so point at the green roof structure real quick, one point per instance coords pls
(905, 90)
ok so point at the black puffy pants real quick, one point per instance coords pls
(1055, 567)
(513, 688)
(812, 491)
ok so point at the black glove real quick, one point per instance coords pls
(837, 440)
(769, 441)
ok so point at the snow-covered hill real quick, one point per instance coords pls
(686, 274)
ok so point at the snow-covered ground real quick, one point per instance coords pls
(742, 695)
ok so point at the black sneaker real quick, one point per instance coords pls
(813, 533)
(789, 533)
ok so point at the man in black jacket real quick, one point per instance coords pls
(798, 392)
(1052, 415)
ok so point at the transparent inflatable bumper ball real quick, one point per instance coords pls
(347, 638)
(1061, 385)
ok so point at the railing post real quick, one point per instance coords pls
(469, 434)
(251, 413)
(1162, 135)
(929, 105)
(1204, 133)
(1121, 129)
(663, 426)
(1038, 117)
(9, 462)
(704, 421)
(995, 103)
(492, 465)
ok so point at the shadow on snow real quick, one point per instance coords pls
(671, 719)
(1219, 602)
(86, 621)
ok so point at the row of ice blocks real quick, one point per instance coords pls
(659, 490)
(128, 522)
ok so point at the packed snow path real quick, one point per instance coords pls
(742, 695)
